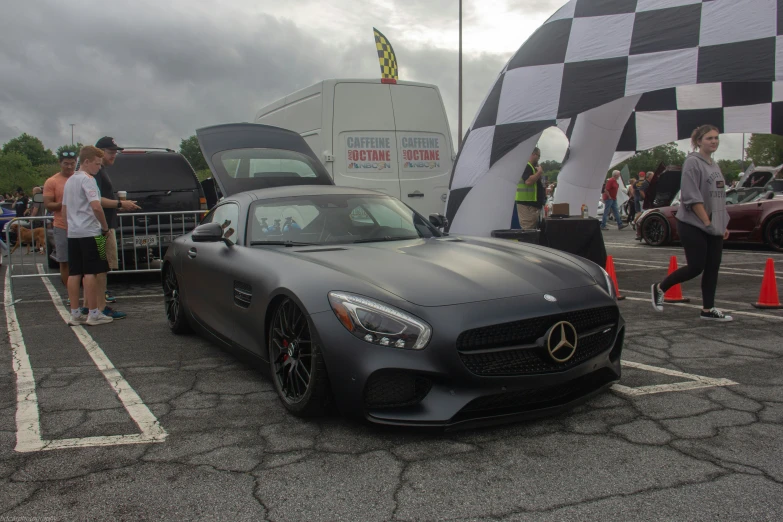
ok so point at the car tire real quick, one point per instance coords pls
(297, 367)
(655, 230)
(773, 234)
(175, 308)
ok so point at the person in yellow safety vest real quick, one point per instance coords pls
(531, 194)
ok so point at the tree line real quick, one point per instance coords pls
(25, 162)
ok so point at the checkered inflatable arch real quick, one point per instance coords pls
(618, 76)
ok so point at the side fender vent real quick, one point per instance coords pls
(243, 294)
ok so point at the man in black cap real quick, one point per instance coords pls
(110, 206)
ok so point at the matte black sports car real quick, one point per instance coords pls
(349, 296)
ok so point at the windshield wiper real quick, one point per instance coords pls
(281, 243)
(386, 238)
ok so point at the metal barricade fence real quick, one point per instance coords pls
(137, 252)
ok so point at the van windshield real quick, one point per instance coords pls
(151, 172)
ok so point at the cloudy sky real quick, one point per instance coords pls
(150, 72)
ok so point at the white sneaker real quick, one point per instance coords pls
(77, 320)
(99, 319)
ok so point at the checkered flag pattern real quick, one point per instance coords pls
(592, 52)
(386, 56)
(672, 114)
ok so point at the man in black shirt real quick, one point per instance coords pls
(21, 202)
(110, 207)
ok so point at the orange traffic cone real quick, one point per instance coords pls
(674, 294)
(613, 277)
(768, 297)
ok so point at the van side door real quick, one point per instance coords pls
(364, 139)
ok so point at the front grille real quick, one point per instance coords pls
(538, 398)
(533, 360)
(395, 389)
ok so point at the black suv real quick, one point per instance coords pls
(159, 180)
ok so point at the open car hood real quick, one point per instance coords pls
(759, 177)
(235, 176)
(663, 187)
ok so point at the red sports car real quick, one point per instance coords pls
(755, 211)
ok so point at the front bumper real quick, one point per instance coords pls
(435, 387)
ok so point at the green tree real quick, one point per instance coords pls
(648, 160)
(765, 149)
(190, 149)
(70, 148)
(32, 148)
(16, 171)
(550, 165)
(731, 169)
(551, 176)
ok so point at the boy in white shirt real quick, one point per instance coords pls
(87, 230)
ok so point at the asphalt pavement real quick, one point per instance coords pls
(127, 421)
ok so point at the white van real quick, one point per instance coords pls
(390, 137)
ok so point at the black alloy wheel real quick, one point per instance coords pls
(655, 230)
(298, 369)
(774, 234)
(175, 313)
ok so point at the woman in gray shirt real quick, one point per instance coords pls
(702, 222)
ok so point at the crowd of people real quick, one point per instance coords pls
(85, 206)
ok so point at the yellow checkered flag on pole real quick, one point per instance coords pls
(386, 56)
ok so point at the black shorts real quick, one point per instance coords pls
(87, 255)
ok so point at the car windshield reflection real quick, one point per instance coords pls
(335, 219)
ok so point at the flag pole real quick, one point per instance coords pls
(459, 117)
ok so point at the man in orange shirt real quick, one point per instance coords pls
(53, 201)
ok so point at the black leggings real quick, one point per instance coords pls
(703, 252)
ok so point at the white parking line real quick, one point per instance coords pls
(724, 271)
(622, 291)
(121, 297)
(28, 424)
(733, 312)
(151, 430)
(649, 249)
(694, 382)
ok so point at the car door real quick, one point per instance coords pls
(743, 218)
(209, 274)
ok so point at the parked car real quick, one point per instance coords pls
(755, 216)
(159, 180)
(349, 297)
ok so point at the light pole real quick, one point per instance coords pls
(459, 110)
(72, 126)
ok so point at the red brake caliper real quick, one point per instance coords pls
(285, 345)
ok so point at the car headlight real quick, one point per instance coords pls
(379, 323)
(609, 284)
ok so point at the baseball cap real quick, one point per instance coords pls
(107, 142)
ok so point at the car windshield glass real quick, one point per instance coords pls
(335, 219)
(676, 200)
(266, 163)
(151, 172)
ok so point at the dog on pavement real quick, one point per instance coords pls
(25, 237)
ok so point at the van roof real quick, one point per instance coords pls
(301, 93)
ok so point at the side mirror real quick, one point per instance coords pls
(38, 198)
(770, 195)
(209, 233)
(439, 220)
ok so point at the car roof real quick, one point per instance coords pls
(309, 190)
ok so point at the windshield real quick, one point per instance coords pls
(335, 219)
(743, 195)
(266, 163)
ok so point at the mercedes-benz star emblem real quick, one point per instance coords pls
(561, 342)
(550, 298)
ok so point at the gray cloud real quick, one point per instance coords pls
(150, 75)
